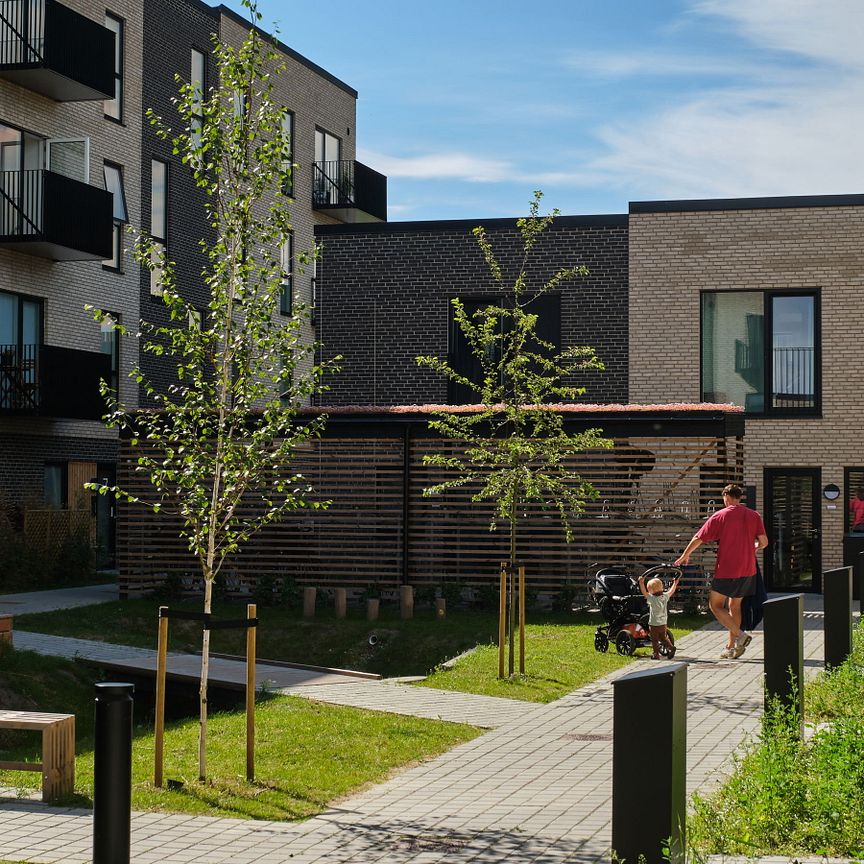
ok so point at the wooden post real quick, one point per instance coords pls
(6, 629)
(161, 670)
(502, 618)
(251, 633)
(373, 605)
(440, 607)
(521, 619)
(341, 597)
(308, 602)
(406, 602)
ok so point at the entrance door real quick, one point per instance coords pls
(793, 521)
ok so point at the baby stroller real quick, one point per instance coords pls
(625, 610)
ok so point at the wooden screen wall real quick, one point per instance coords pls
(653, 495)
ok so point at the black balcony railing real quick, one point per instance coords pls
(19, 378)
(52, 381)
(53, 216)
(52, 49)
(794, 378)
(352, 191)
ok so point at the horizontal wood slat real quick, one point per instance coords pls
(653, 493)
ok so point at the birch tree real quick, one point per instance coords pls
(218, 446)
(516, 449)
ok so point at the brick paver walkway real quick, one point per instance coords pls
(535, 789)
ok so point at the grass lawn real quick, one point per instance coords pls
(307, 754)
(559, 658)
(560, 653)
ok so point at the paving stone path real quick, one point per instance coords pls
(536, 788)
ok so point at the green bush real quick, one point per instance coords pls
(794, 797)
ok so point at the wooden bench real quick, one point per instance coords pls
(58, 749)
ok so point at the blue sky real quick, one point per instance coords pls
(469, 105)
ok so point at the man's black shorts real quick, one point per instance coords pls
(743, 587)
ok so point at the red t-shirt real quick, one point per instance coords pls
(856, 506)
(735, 529)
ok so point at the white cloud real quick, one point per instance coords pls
(440, 166)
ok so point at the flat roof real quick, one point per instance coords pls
(769, 203)
(611, 220)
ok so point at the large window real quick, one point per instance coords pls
(288, 166)
(114, 107)
(158, 219)
(760, 350)
(330, 184)
(286, 299)
(547, 308)
(109, 344)
(20, 337)
(197, 78)
(113, 175)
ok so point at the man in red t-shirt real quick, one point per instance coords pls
(738, 532)
(856, 512)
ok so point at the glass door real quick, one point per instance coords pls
(793, 560)
(106, 514)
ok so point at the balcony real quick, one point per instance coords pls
(53, 50)
(349, 191)
(47, 214)
(49, 381)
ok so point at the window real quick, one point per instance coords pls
(110, 344)
(462, 359)
(197, 79)
(20, 337)
(113, 176)
(55, 485)
(158, 219)
(314, 287)
(286, 300)
(330, 185)
(760, 350)
(288, 165)
(114, 107)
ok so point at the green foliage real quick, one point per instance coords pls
(516, 447)
(794, 797)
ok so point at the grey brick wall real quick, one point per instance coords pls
(385, 290)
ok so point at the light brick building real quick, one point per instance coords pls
(758, 302)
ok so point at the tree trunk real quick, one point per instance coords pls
(205, 671)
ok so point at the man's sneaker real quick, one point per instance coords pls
(741, 644)
(726, 654)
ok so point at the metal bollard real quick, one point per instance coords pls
(783, 660)
(112, 774)
(655, 740)
(837, 600)
(860, 573)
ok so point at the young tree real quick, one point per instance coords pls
(218, 445)
(516, 448)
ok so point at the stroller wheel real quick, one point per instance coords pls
(601, 642)
(666, 650)
(625, 644)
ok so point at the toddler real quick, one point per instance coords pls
(658, 613)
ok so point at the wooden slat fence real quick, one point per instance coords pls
(654, 492)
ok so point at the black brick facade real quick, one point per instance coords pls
(384, 292)
(172, 30)
(24, 455)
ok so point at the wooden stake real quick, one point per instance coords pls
(161, 670)
(251, 611)
(502, 618)
(522, 620)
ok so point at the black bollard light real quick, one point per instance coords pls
(837, 600)
(649, 762)
(859, 569)
(112, 774)
(783, 660)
